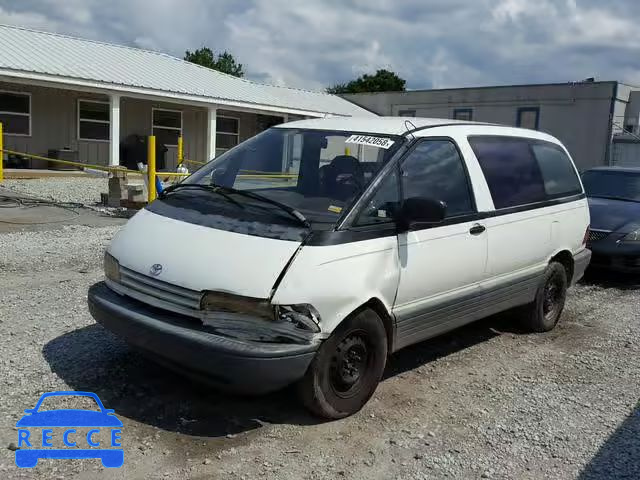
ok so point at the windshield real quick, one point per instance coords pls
(623, 185)
(317, 173)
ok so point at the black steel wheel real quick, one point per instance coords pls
(347, 368)
(544, 313)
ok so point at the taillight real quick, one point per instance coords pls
(586, 236)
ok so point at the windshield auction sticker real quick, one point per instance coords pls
(379, 142)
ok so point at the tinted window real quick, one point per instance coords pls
(435, 170)
(383, 204)
(510, 169)
(612, 184)
(560, 178)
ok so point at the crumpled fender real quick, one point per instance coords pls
(337, 279)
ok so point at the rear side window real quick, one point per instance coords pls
(511, 170)
(560, 178)
(522, 171)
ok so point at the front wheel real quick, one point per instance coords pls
(543, 314)
(347, 368)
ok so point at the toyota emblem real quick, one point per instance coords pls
(156, 269)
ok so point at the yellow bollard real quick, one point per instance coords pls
(151, 167)
(180, 151)
(1, 154)
(347, 151)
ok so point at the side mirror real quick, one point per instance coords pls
(421, 211)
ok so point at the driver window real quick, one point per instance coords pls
(382, 205)
(435, 170)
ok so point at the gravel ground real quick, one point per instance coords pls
(62, 189)
(485, 401)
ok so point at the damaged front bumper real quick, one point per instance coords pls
(223, 356)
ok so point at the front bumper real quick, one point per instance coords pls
(185, 344)
(610, 254)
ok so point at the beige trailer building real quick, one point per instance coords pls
(586, 116)
(85, 98)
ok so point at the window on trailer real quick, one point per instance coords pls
(465, 114)
(529, 117)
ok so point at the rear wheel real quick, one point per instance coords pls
(347, 368)
(543, 314)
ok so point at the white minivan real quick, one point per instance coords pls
(311, 252)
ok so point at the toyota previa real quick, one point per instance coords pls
(311, 252)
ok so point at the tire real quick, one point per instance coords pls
(543, 313)
(347, 368)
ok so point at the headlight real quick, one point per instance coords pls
(229, 303)
(302, 316)
(633, 237)
(111, 267)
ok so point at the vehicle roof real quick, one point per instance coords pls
(400, 125)
(615, 169)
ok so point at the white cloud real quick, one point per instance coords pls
(313, 44)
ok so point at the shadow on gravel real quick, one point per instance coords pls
(607, 279)
(92, 359)
(619, 457)
(428, 351)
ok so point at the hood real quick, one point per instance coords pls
(200, 257)
(612, 215)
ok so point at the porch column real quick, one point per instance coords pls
(114, 129)
(211, 133)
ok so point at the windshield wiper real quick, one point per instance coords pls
(197, 186)
(613, 197)
(282, 206)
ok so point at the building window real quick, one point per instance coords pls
(227, 132)
(15, 113)
(167, 126)
(463, 114)
(529, 117)
(93, 120)
(407, 113)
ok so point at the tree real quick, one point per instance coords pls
(223, 62)
(382, 81)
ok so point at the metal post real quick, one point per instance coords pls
(1, 154)
(180, 150)
(151, 167)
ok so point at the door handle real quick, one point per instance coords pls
(477, 229)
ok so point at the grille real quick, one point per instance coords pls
(596, 235)
(142, 287)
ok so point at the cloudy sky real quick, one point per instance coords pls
(315, 43)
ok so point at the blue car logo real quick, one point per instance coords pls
(36, 433)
